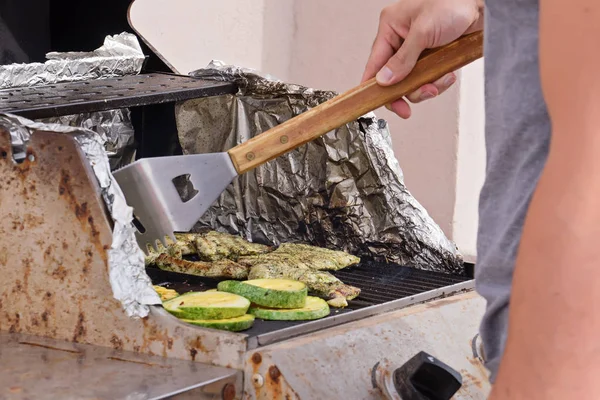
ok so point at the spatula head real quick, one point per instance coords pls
(148, 186)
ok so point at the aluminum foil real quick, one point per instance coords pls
(343, 191)
(129, 281)
(120, 55)
(114, 125)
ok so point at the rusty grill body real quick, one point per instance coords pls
(57, 312)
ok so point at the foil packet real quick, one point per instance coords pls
(119, 55)
(344, 190)
(129, 282)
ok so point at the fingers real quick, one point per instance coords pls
(401, 108)
(402, 62)
(425, 92)
(384, 47)
(432, 90)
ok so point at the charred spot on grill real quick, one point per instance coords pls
(48, 295)
(79, 328)
(60, 148)
(117, 343)
(193, 353)
(256, 358)
(274, 373)
(45, 317)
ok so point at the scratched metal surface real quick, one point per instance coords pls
(54, 266)
(337, 363)
(38, 368)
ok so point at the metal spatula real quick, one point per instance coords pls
(148, 183)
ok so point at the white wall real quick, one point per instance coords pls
(324, 44)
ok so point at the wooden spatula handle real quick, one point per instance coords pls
(356, 102)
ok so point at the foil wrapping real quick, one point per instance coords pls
(344, 190)
(120, 55)
(129, 281)
(114, 125)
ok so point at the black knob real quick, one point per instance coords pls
(424, 377)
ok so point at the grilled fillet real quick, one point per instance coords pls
(317, 257)
(321, 283)
(182, 247)
(217, 269)
(213, 246)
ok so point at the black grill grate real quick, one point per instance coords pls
(379, 283)
(106, 94)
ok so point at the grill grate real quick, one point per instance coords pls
(106, 94)
(379, 283)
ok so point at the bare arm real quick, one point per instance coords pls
(553, 347)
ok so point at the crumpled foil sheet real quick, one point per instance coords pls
(129, 281)
(120, 55)
(344, 190)
(114, 125)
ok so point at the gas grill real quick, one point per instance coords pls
(57, 312)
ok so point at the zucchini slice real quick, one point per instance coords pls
(315, 308)
(274, 293)
(207, 305)
(230, 324)
(164, 293)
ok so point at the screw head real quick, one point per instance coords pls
(250, 156)
(258, 380)
(284, 139)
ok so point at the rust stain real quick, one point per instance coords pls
(256, 358)
(82, 211)
(80, 330)
(15, 389)
(60, 273)
(34, 320)
(15, 324)
(195, 345)
(154, 335)
(26, 272)
(274, 373)
(470, 379)
(117, 343)
(228, 392)
(3, 256)
(18, 286)
(45, 315)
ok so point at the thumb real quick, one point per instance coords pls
(401, 63)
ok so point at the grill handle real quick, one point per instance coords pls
(423, 377)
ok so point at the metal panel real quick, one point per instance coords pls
(106, 94)
(37, 368)
(337, 362)
(53, 262)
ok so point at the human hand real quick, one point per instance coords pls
(408, 27)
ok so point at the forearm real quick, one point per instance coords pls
(553, 351)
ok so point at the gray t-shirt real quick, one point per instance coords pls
(517, 142)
